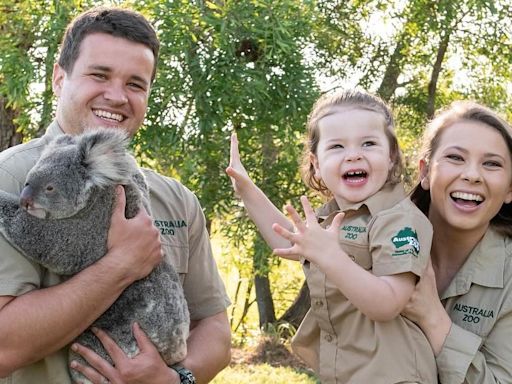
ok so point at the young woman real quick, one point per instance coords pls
(463, 302)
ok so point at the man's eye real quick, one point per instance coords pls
(100, 76)
(136, 86)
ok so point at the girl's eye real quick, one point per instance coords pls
(492, 163)
(369, 143)
(336, 146)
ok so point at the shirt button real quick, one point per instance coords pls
(328, 338)
(319, 303)
(353, 258)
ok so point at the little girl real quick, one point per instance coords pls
(362, 251)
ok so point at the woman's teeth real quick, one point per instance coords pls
(467, 196)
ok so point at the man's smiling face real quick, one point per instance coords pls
(108, 85)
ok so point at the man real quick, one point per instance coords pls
(103, 77)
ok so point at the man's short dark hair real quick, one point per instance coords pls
(117, 22)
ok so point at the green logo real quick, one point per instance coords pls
(404, 237)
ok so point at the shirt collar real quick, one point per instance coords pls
(485, 265)
(387, 197)
(53, 130)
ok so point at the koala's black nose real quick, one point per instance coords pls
(26, 197)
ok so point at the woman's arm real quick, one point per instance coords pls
(462, 356)
(426, 310)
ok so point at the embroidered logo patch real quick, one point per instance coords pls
(169, 227)
(405, 237)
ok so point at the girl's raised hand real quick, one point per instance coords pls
(236, 171)
(309, 240)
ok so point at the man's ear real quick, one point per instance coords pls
(57, 79)
(424, 177)
(314, 161)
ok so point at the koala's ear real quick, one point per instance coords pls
(104, 153)
(61, 140)
(64, 140)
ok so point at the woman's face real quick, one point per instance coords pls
(469, 177)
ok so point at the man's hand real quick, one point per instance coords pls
(134, 244)
(146, 367)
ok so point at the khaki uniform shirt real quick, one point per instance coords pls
(185, 241)
(478, 348)
(386, 235)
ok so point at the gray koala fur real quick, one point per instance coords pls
(61, 221)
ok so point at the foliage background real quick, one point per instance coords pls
(256, 67)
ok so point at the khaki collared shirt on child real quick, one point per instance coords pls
(386, 235)
(185, 242)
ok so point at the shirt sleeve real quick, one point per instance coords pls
(18, 275)
(470, 359)
(400, 242)
(203, 286)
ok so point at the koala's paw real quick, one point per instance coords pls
(174, 349)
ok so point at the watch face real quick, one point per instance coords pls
(186, 377)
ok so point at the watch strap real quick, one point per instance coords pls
(186, 376)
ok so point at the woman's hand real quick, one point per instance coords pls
(426, 310)
(147, 367)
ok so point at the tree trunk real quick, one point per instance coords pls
(8, 134)
(389, 82)
(264, 300)
(436, 70)
(296, 312)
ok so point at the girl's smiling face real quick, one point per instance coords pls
(469, 176)
(353, 154)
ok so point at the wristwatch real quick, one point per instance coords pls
(186, 377)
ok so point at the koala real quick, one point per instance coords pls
(61, 221)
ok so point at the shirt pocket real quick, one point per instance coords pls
(359, 253)
(177, 256)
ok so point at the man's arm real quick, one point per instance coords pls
(209, 347)
(43, 321)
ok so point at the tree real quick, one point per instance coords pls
(29, 38)
(231, 65)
